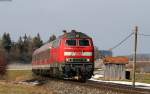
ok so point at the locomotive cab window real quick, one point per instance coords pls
(71, 42)
(84, 42)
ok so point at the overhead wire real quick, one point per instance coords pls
(126, 38)
(144, 35)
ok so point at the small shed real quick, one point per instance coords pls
(114, 68)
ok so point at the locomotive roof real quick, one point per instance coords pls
(74, 34)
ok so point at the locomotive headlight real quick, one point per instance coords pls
(88, 60)
(67, 59)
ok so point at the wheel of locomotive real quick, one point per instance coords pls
(83, 78)
(56, 72)
(34, 72)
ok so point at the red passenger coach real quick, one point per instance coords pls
(70, 56)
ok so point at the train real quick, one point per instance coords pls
(70, 56)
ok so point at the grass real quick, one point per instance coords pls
(9, 88)
(8, 85)
(18, 74)
(143, 77)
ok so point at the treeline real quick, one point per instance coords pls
(140, 57)
(21, 51)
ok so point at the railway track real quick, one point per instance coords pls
(119, 88)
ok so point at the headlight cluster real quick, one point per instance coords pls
(77, 60)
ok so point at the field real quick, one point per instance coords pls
(18, 75)
(9, 83)
(11, 88)
(143, 77)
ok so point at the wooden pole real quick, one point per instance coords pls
(135, 55)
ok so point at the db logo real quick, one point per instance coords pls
(78, 53)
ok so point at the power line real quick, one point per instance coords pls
(122, 41)
(144, 35)
(4, 0)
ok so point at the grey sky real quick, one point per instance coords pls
(107, 21)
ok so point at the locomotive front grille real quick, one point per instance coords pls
(77, 60)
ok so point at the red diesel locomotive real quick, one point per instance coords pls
(70, 56)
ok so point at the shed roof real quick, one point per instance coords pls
(116, 60)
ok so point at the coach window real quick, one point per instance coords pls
(84, 42)
(38, 57)
(53, 44)
(34, 58)
(43, 55)
(56, 43)
(71, 42)
(48, 53)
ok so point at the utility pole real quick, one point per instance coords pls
(135, 55)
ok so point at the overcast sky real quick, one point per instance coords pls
(106, 21)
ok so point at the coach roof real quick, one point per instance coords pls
(43, 48)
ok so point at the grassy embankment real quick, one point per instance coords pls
(18, 75)
(143, 77)
(9, 86)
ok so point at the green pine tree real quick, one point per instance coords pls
(6, 42)
(52, 38)
(37, 42)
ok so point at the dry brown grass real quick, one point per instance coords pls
(12, 88)
(18, 75)
(10, 85)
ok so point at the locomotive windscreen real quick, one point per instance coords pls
(84, 42)
(71, 42)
